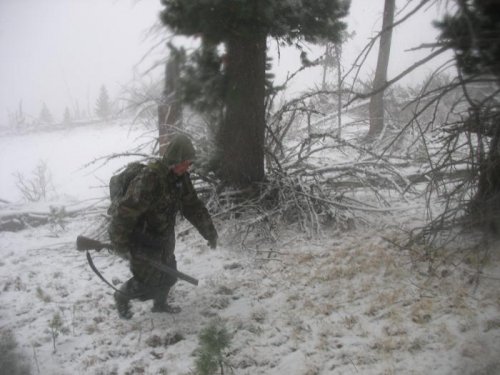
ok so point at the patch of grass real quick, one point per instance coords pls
(91, 328)
(446, 337)
(382, 301)
(467, 324)
(416, 345)
(477, 259)
(350, 321)
(492, 324)
(421, 311)
(389, 344)
(42, 295)
(259, 315)
(220, 302)
(12, 361)
(395, 330)
(224, 290)
(266, 294)
(16, 284)
(305, 258)
(153, 341)
(136, 368)
(172, 339)
(325, 308)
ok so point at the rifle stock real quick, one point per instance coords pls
(84, 243)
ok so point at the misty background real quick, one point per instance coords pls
(340, 250)
(60, 52)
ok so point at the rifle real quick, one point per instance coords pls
(84, 243)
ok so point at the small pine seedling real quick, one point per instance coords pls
(55, 326)
(214, 340)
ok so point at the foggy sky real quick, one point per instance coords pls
(61, 51)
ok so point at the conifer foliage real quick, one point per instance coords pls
(473, 32)
(239, 76)
(214, 341)
(103, 105)
(46, 117)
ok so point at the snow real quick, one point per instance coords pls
(343, 302)
(66, 153)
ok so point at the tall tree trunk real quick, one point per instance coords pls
(338, 59)
(170, 109)
(241, 137)
(485, 205)
(377, 100)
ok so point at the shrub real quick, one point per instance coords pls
(12, 361)
(211, 355)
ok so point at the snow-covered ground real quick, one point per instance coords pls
(66, 154)
(343, 302)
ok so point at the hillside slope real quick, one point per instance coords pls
(341, 302)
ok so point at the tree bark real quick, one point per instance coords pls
(241, 137)
(170, 109)
(485, 205)
(377, 100)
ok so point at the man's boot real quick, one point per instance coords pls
(160, 303)
(122, 303)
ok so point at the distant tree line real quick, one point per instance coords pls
(104, 109)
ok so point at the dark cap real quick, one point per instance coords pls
(178, 150)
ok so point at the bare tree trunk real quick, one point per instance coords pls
(170, 109)
(326, 64)
(241, 137)
(338, 55)
(377, 100)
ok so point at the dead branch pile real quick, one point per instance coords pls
(465, 148)
(55, 216)
(311, 182)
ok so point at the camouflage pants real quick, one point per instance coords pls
(148, 283)
(133, 289)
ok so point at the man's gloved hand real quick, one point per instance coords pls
(212, 243)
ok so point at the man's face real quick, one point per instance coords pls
(181, 168)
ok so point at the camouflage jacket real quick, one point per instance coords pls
(150, 206)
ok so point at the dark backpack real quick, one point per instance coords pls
(118, 184)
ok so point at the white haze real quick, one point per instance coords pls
(60, 52)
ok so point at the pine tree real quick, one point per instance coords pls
(17, 119)
(239, 77)
(473, 32)
(67, 117)
(45, 117)
(103, 105)
(211, 354)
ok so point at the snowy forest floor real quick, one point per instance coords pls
(340, 302)
(344, 303)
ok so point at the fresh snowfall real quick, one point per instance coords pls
(339, 300)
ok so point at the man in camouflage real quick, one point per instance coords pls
(143, 221)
